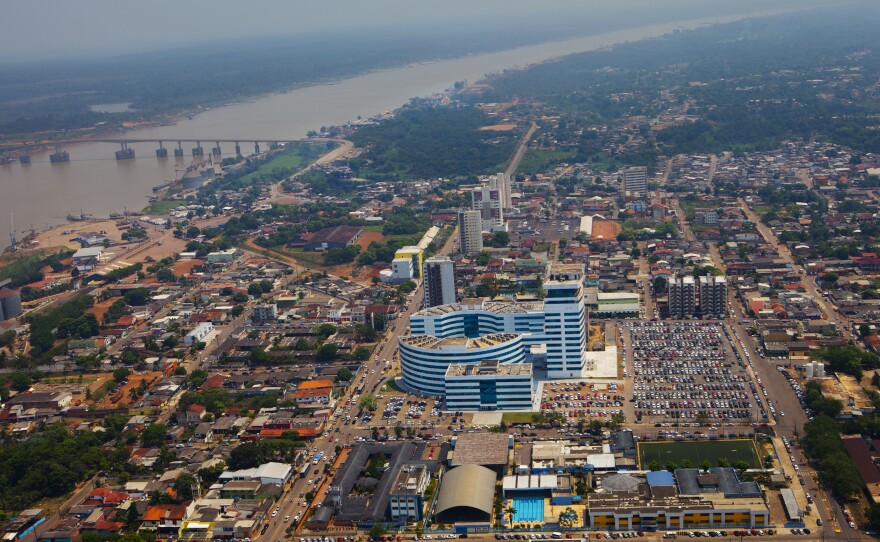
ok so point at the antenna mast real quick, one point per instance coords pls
(12, 241)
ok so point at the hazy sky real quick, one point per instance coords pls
(36, 29)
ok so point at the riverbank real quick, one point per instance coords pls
(93, 181)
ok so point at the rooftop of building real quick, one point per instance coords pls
(489, 368)
(407, 480)
(481, 449)
(429, 342)
(484, 304)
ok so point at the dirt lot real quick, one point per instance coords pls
(122, 395)
(56, 238)
(98, 309)
(184, 267)
(607, 229)
(368, 237)
(498, 128)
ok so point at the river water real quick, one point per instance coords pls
(41, 194)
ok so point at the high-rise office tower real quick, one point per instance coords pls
(439, 276)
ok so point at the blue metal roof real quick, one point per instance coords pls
(660, 478)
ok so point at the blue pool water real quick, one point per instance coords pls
(528, 509)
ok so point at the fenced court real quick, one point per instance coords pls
(698, 451)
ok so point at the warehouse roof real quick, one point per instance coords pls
(468, 486)
(481, 449)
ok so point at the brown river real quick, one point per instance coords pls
(40, 195)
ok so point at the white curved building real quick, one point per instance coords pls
(424, 359)
(445, 334)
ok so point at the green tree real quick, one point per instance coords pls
(324, 330)
(198, 377)
(259, 357)
(343, 375)
(368, 402)
(154, 435)
(165, 275)
(376, 531)
(568, 517)
(137, 297)
(407, 287)
(326, 352)
(120, 374)
(361, 353)
(20, 382)
(510, 511)
(184, 487)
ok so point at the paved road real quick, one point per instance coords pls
(809, 284)
(785, 400)
(520, 150)
(277, 194)
(292, 502)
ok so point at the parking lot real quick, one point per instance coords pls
(683, 369)
(544, 230)
(583, 399)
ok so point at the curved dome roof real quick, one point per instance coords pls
(620, 482)
(467, 486)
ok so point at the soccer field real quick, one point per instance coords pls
(698, 451)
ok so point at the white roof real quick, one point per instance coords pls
(266, 470)
(88, 252)
(601, 461)
(530, 481)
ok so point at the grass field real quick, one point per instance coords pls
(162, 206)
(517, 417)
(294, 156)
(542, 160)
(699, 451)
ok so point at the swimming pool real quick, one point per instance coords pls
(528, 509)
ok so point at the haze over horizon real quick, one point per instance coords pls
(56, 29)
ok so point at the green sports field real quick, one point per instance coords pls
(698, 451)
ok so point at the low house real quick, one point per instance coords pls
(90, 238)
(192, 415)
(165, 519)
(313, 393)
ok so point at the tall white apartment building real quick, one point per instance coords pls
(682, 298)
(501, 182)
(470, 231)
(635, 180)
(713, 296)
(488, 202)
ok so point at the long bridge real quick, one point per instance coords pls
(126, 152)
